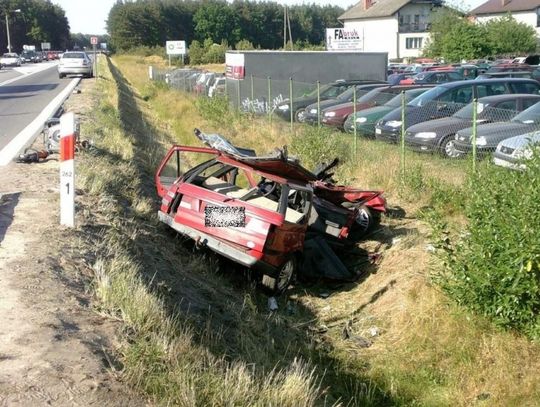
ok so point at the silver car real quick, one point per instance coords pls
(10, 59)
(512, 152)
(75, 63)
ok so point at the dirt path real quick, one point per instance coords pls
(53, 347)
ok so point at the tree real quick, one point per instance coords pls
(507, 36)
(217, 21)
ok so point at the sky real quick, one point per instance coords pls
(88, 17)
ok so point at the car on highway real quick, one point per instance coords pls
(490, 135)
(30, 56)
(445, 100)
(438, 135)
(328, 91)
(75, 63)
(366, 119)
(10, 59)
(514, 151)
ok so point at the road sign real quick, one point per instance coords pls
(45, 46)
(93, 40)
(176, 47)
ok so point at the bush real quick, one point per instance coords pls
(313, 146)
(495, 266)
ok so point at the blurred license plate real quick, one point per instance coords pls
(378, 131)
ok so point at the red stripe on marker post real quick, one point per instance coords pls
(67, 169)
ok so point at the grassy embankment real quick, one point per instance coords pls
(198, 333)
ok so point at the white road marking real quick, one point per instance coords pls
(26, 72)
(10, 151)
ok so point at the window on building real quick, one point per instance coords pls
(413, 43)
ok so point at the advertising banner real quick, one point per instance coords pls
(235, 66)
(341, 39)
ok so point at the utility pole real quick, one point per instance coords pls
(7, 27)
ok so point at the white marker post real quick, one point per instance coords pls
(67, 169)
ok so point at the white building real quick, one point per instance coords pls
(399, 27)
(524, 11)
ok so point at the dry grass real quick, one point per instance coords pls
(428, 351)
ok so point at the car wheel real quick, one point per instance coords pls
(366, 220)
(448, 149)
(277, 285)
(61, 75)
(300, 115)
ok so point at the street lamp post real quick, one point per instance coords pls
(7, 27)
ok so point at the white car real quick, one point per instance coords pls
(10, 59)
(513, 151)
(75, 63)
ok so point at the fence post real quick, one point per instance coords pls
(354, 115)
(402, 136)
(291, 102)
(251, 102)
(474, 133)
(227, 92)
(269, 104)
(238, 95)
(319, 104)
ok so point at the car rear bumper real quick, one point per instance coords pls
(219, 246)
(85, 70)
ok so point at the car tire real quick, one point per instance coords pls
(447, 149)
(286, 273)
(61, 75)
(300, 115)
(366, 220)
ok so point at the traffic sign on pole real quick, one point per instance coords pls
(93, 40)
(67, 169)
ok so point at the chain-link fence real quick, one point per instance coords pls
(421, 119)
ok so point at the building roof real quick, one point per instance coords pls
(504, 6)
(379, 8)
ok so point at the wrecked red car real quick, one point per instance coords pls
(259, 211)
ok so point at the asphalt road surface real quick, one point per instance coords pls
(24, 93)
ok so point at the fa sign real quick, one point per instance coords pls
(93, 40)
(176, 47)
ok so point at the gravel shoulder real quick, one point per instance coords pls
(54, 348)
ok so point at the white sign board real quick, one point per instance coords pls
(176, 47)
(29, 47)
(342, 39)
(45, 46)
(93, 40)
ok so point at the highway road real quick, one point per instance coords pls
(28, 96)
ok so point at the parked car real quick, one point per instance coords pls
(446, 99)
(75, 63)
(438, 135)
(366, 119)
(328, 91)
(257, 210)
(10, 59)
(395, 78)
(514, 151)
(507, 74)
(433, 77)
(311, 113)
(218, 87)
(490, 135)
(203, 83)
(506, 67)
(335, 116)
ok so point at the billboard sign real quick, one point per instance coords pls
(29, 47)
(176, 47)
(343, 39)
(45, 46)
(235, 66)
